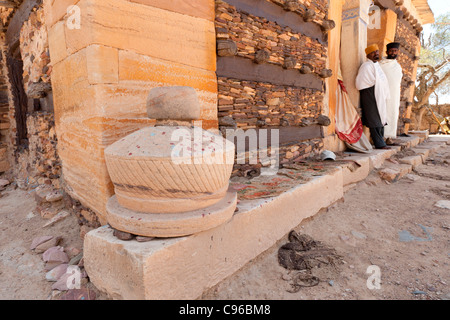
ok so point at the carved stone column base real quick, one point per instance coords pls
(168, 225)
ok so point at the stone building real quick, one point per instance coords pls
(75, 79)
(75, 75)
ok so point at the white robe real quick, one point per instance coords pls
(394, 74)
(369, 75)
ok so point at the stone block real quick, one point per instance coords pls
(422, 151)
(56, 10)
(102, 64)
(153, 173)
(57, 42)
(423, 134)
(402, 169)
(203, 9)
(412, 160)
(146, 30)
(173, 103)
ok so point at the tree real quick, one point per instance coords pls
(434, 67)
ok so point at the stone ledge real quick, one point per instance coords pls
(182, 268)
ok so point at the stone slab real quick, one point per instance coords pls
(424, 134)
(401, 168)
(165, 225)
(182, 268)
(377, 157)
(412, 160)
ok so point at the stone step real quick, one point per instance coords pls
(207, 257)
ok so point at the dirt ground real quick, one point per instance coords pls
(376, 224)
(395, 227)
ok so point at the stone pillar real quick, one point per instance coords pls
(411, 89)
(106, 56)
(355, 19)
(334, 47)
(386, 33)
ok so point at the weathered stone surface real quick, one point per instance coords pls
(125, 236)
(226, 48)
(412, 160)
(54, 196)
(39, 240)
(389, 174)
(79, 294)
(133, 30)
(152, 169)
(43, 247)
(56, 273)
(89, 93)
(173, 103)
(4, 183)
(55, 254)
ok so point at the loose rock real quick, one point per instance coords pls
(56, 273)
(39, 240)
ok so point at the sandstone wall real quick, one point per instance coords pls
(104, 70)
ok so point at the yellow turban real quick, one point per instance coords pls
(371, 48)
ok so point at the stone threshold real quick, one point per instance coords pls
(183, 268)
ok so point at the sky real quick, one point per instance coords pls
(438, 7)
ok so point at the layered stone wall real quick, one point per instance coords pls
(271, 65)
(4, 119)
(408, 59)
(39, 164)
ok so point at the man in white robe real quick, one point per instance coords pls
(374, 93)
(394, 74)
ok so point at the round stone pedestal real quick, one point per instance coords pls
(170, 169)
(167, 225)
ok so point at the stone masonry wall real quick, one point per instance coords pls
(256, 104)
(259, 103)
(7, 123)
(251, 34)
(406, 35)
(40, 164)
